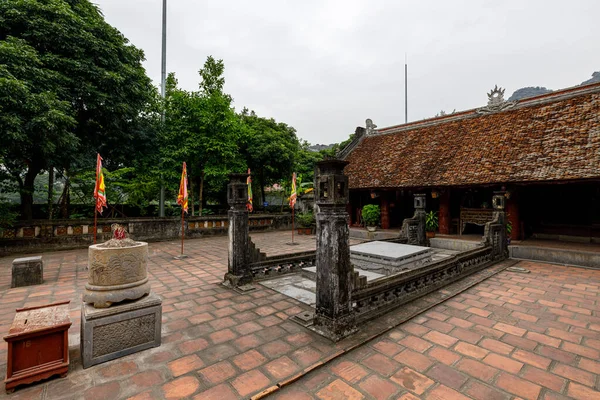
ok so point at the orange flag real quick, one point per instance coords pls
(182, 197)
(293, 196)
(99, 189)
(249, 183)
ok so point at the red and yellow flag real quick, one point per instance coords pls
(293, 195)
(249, 183)
(182, 197)
(99, 189)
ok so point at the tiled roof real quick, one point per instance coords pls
(546, 138)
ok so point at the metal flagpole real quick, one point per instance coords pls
(95, 220)
(163, 85)
(405, 89)
(182, 231)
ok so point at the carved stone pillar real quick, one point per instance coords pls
(444, 212)
(421, 233)
(385, 211)
(333, 312)
(237, 262)
(495, 231)
(512, 214)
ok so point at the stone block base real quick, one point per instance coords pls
(334, 329)
(114, 332)
(27, 271)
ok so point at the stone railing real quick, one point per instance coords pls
(375, 298)
(275, 266)
(41, 235)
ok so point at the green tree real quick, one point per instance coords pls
(202, 129)
(269, 148)
(70, 86)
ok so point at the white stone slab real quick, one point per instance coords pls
(387, 250)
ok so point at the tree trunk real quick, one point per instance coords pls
(262, 186)
(50, 193)
(191, 192)
(26, 192)
(200, 193)
(65, 199)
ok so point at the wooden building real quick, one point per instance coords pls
(544, 151)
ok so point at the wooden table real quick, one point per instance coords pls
(477, 216)
(38, 344)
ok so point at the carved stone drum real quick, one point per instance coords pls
(116, 274)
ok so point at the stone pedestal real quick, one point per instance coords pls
(27, 271)
(114, 332)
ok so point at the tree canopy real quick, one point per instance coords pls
(71, 85)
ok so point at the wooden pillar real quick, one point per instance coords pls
(444, 212)
(512, 211)
(385, 211)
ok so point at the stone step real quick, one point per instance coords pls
(311, 273)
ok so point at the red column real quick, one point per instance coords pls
(385, 211)
(444, 212)
(512, 211)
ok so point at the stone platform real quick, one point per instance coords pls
(388, 258)
(114, 332)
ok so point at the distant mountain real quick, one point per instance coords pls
(595, 78)
(526, 92)
(319, 147)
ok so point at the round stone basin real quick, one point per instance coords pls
(116, 274)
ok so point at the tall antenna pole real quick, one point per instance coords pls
(163, 87)
(405, 90)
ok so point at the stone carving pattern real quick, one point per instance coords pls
(268, 270)
(127, 267)
(405, 291)
(120, 335)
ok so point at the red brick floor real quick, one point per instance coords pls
(534, 336)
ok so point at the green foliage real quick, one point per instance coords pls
(371, 215)
(202, 129)
(508, 228)
(70, 86)
(305, 220)
(7, 215)
(269, 149)
(431, 221)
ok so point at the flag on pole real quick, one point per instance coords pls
(99, 189)
(249, 183)
(182, 197)
(293, 195)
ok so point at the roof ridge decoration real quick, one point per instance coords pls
(496, 102)
(370, 127)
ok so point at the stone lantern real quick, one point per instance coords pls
(499, 201)
(333, 311)
(419, 202)
(237, 197)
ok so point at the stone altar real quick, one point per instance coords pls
(388, 258)
(114, 332)
(27, 271)
(119, 315)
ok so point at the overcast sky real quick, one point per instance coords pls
(325, 66)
